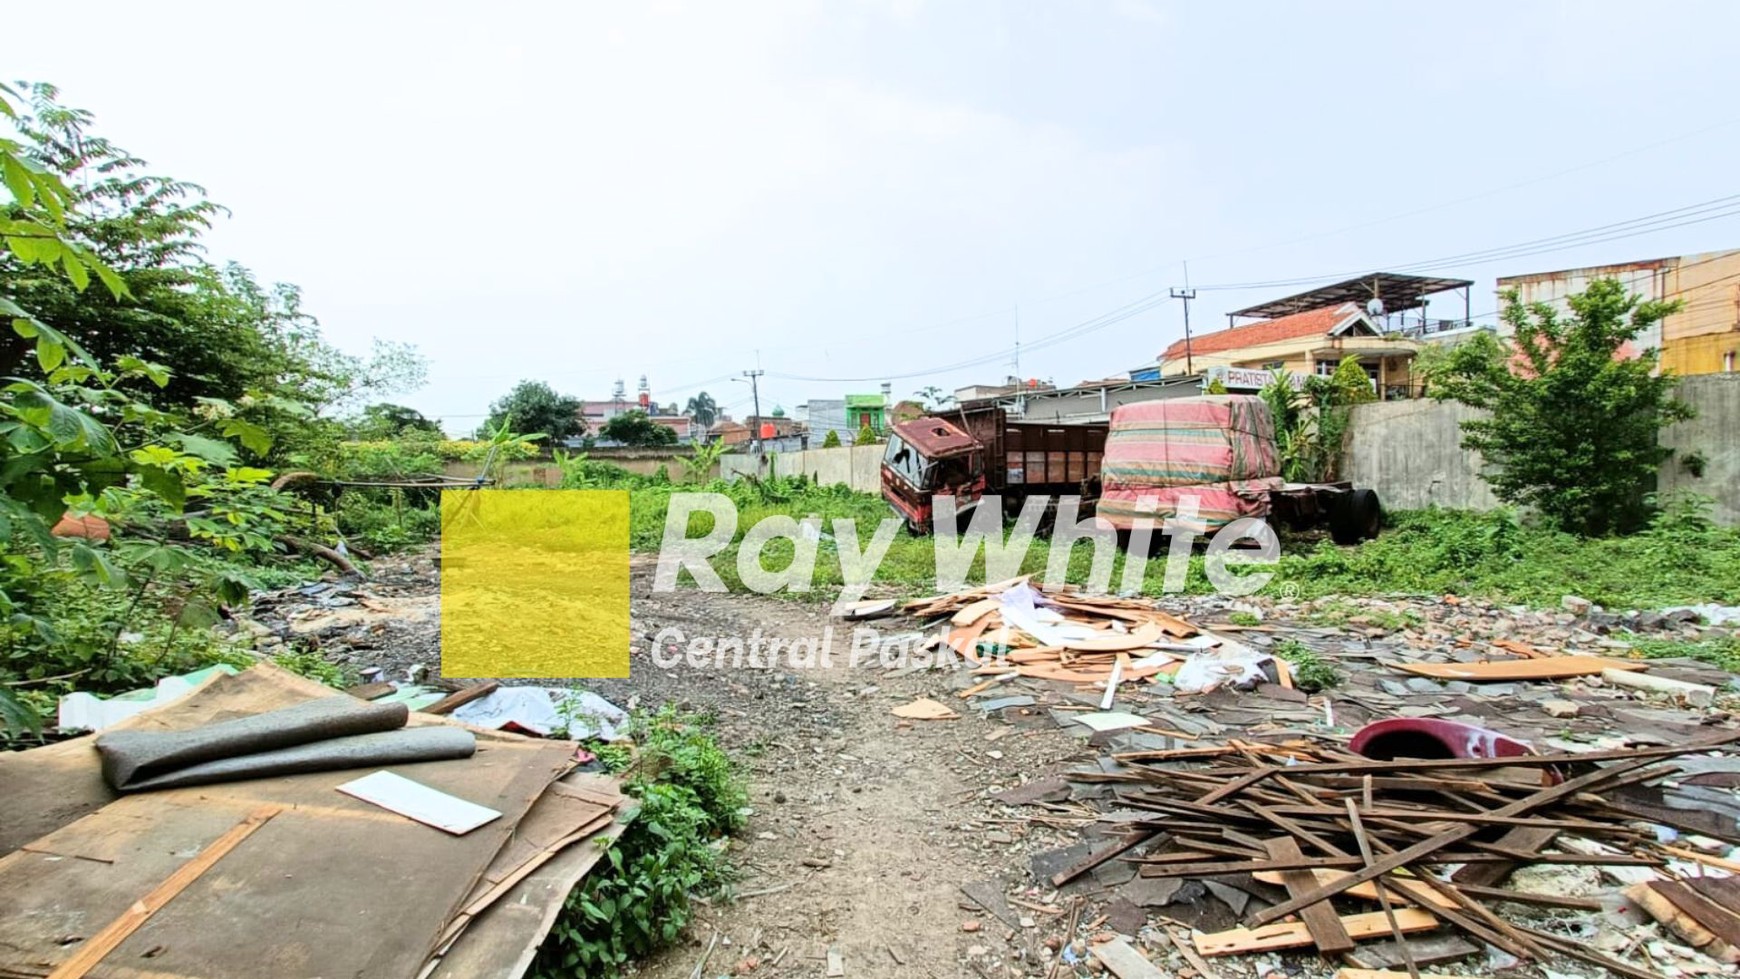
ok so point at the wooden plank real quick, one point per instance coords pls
(1529, 838)
(1320, 918)
(460, 698)
(1433, 844)
(976, 611)
(369, 691)
(1294, 934)
(1546, 668)
(1352, 973)
(1125, 962)
(115, 932)
(1118, 642)
(1715, 919)
(1128, 842)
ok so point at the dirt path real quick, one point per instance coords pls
(864, 827)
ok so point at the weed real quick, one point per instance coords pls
(309, 663)
(1242, 618)
(1310, 672)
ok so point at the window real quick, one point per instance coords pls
(1728, 362)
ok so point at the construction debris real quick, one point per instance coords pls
(160, 866)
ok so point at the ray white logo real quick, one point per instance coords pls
(955, 552)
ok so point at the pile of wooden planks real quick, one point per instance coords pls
(1352, 848)
(1085, 639)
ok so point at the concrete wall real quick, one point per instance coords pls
(857, 466)
(1411, 453)
(1711, 435)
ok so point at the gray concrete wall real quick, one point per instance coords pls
(857, 466)
(1715, 435)
(1411, 453)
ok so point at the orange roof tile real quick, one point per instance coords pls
(1315, 322)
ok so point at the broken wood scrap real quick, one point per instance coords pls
(1320, 919)
(1294, 934)
(1545, 668)
(458, 699)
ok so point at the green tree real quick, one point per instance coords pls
(533, 406)
(1575, 417)
(636, 428)
(385, 420)
(866, 436)
(832, 439)
(703, 409)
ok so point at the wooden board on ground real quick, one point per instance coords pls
(1294, 934)
(1320, 918)
(1545, 668)
(1124, 961)
(925, 709)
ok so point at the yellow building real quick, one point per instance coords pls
(1702, 338)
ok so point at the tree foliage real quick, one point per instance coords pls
(533, 406)
(385, 420)
(1575, 411)
(866, 435)
(637, 428)
(831, 440)
(703, 409)
(228, 336)
(1311, 419)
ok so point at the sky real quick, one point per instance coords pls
(841, 192)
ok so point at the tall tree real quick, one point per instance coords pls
(1575, 413)
(535, 407)
(226, 335)
(703, 409)
(636, 428)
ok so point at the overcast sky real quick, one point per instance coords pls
(866, 190)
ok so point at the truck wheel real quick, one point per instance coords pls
(1355, 516)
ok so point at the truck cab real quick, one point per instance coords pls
(926, 458)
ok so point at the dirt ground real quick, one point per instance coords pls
(864, 826)
(875, 846)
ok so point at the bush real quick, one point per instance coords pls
(638, 899)
(831, 440)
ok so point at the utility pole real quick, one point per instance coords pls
(1186, 294)
(755, 394)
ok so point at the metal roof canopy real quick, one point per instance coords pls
(1399, 292)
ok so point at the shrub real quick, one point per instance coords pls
(638, 899)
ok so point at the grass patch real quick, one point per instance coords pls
(1721, 651)
(1246, 619)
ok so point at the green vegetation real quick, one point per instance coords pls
(533, 406)
(1721, 651)
(689, 800)
(1246, 619)
(1575, 415)
(831, 440)
(1341, 612)
(1310, 673)
(1679, 558)
(164, 478)
(1311, 420)
(637, 428)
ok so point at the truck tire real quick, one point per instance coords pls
(1355, 516)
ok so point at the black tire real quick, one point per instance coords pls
(1355, 516)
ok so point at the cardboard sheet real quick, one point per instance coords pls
(331, 886)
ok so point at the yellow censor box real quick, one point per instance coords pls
(534, 583)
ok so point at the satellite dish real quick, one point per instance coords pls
(1375, 307)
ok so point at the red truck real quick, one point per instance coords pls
(971, 455)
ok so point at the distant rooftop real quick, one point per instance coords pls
(1397, 291)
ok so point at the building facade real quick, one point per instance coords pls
(1702, 338)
